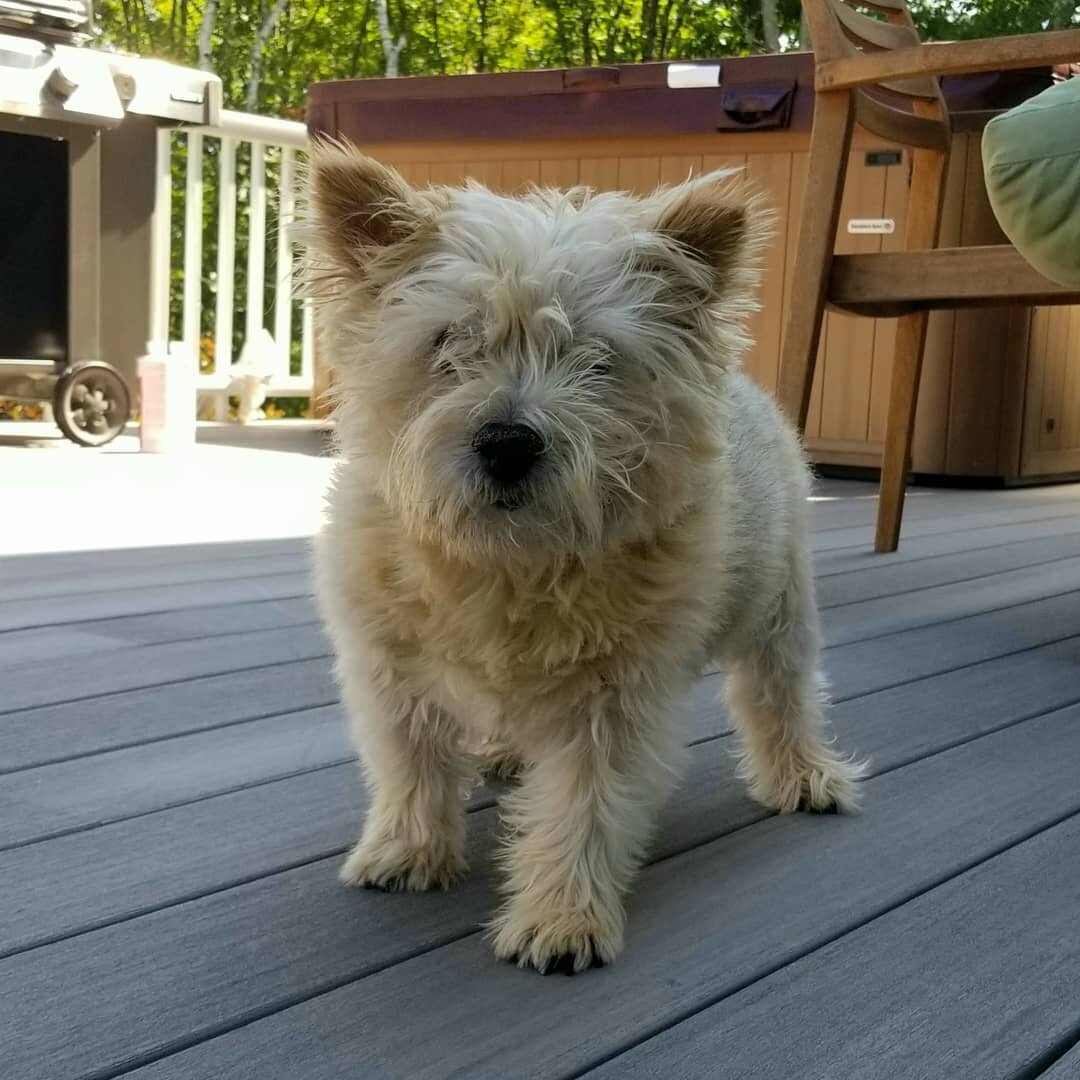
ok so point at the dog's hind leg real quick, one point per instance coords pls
(776, 697)
(579, 823)
(414, 833)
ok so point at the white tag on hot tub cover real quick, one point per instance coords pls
(685, 76)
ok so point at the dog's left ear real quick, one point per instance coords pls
(720, 221)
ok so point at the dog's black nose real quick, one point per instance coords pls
(508, 451)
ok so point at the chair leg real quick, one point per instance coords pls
(900, 427)
(829, 146)
(921, 232)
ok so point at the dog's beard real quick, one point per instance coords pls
(566, 510)
(607, 478)
(466, 515)
(437, 483)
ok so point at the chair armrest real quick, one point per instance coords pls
(950, 58)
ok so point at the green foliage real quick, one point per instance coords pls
(942, 20)
(323, 39)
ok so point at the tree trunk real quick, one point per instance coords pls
(613, 30)
(586, 35)
(663, 30)
(266, 30)
(1063, 15)
(563, 34)
(648, 28)
(436, 36)
(391, 49)
(804, 31)
(770, 25)
(481, 52)
(359, 40)
(206, 33)
(673, 37)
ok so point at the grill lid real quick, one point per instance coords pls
(45, 81)
(58, 20)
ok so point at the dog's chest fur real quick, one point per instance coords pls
(489, 642)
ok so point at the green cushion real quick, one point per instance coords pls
(1031, 159)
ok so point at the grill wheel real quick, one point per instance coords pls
(91, 403)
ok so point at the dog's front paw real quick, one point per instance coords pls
(823, 784)
(552, 940)
(394, 865)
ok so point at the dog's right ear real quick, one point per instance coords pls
(360, 206)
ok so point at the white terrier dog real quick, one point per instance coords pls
(558, 499)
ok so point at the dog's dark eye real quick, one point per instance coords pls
(599, 360)
(440, 361)
(598, 367)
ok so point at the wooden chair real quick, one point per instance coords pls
(875, 72)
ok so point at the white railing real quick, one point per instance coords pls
(262, 142)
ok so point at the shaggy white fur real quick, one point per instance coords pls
(558, 499)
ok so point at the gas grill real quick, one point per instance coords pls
(78, 165)
(60, 20)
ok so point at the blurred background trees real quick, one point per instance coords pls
(268, 51)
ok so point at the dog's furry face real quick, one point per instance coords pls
(526, 378)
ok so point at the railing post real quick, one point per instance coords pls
(193, 242)
(161, 240)
(283, 285)
(226, 269)
(256, 256)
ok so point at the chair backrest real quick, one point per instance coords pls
(910, 111)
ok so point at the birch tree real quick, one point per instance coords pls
(391, 49)
(206, 34)
(770, 25)
(266, 31)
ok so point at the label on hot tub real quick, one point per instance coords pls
(874, 226)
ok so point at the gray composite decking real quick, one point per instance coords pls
(176, 790)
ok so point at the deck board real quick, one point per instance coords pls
(48, 644)
(176, 790)
(130, 579)
(89, 791)
(1017, 533)
(942, 528)
(1067, 1065)
(38, 736)
(928, 989)
(862, 667)
(867, 619)
(76, 566)
(146, 599)
(964, 566)
(160, 665)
